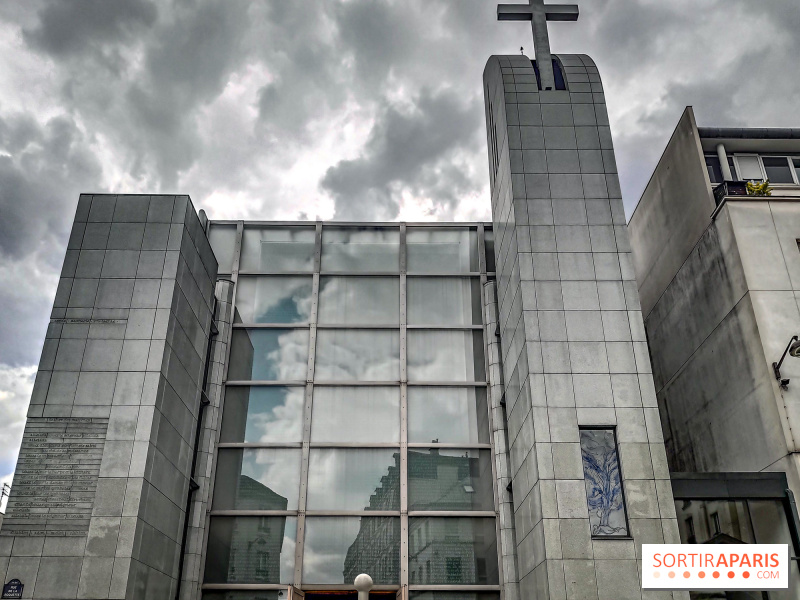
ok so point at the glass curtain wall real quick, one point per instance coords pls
(355, 432)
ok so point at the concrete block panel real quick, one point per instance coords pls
(585, 341)
(94, 370)
(131, 209)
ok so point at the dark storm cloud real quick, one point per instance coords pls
(303, 68)
(406, 149)
(43, 168)
(234, 99)
(729, 59)
(187, 65)
(67, 28)
(39, 164)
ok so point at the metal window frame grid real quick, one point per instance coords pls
(305, 445)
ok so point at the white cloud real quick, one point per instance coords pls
(16, 384)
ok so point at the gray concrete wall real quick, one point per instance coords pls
(572, 340)
(728, 314)
(672, 213)
(714, 387)
(508, 541)
(767, 234)
(126, 345)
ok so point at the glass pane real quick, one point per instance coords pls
(749, 168)
(447, 415)
(603, 485)
(356, 414)
(278, 249)
(248, 595)
(453, 595)
(796, 165)
(450, 250)
(337, 549)
(357, 355)
(263, 414)
(251, 550)
(359, 300)
(714, 521)
(778, 170)
(223, 240)
(445, 356)
(273, 300)
(769, 522)
(733, 169)
(268, 355)
(444, 301)
(447, 479)
(714, 169)
(360, 249)
(257, 479)
(452, 550)
(729, 522)
(354, 479)
(488, 242)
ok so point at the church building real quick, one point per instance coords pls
(256, 410)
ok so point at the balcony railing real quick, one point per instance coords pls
(729, 188)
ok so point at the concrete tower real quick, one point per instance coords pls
(574, 355)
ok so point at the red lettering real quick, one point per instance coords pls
(671, 557)
(757, 561)
(734, 559)
(774, 560)
(709, 560)
(657, 560)
(746, 561)
(681, 560)
(722, 561)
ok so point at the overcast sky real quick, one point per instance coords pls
(301, 109)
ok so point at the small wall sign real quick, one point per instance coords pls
(13, 589)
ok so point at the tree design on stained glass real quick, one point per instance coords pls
(603, 484)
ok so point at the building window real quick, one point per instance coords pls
(251, 550)
(778, 169)
(453, 566)
(749, 167)
(330, 323)
(280, 299)
(278, 249)
(361, 249)
(262, 560)
(604, 494)
(223, 242)
(690, 531)
(715, 171)
(715, 523)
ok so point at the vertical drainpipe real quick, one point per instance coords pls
(723, 163)
(508, 544)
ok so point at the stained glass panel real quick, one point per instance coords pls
(603, 484)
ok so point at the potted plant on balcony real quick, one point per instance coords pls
(756, 188)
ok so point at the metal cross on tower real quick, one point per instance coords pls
(538, 13)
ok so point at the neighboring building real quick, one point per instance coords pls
(244, 410)
(719, 276)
